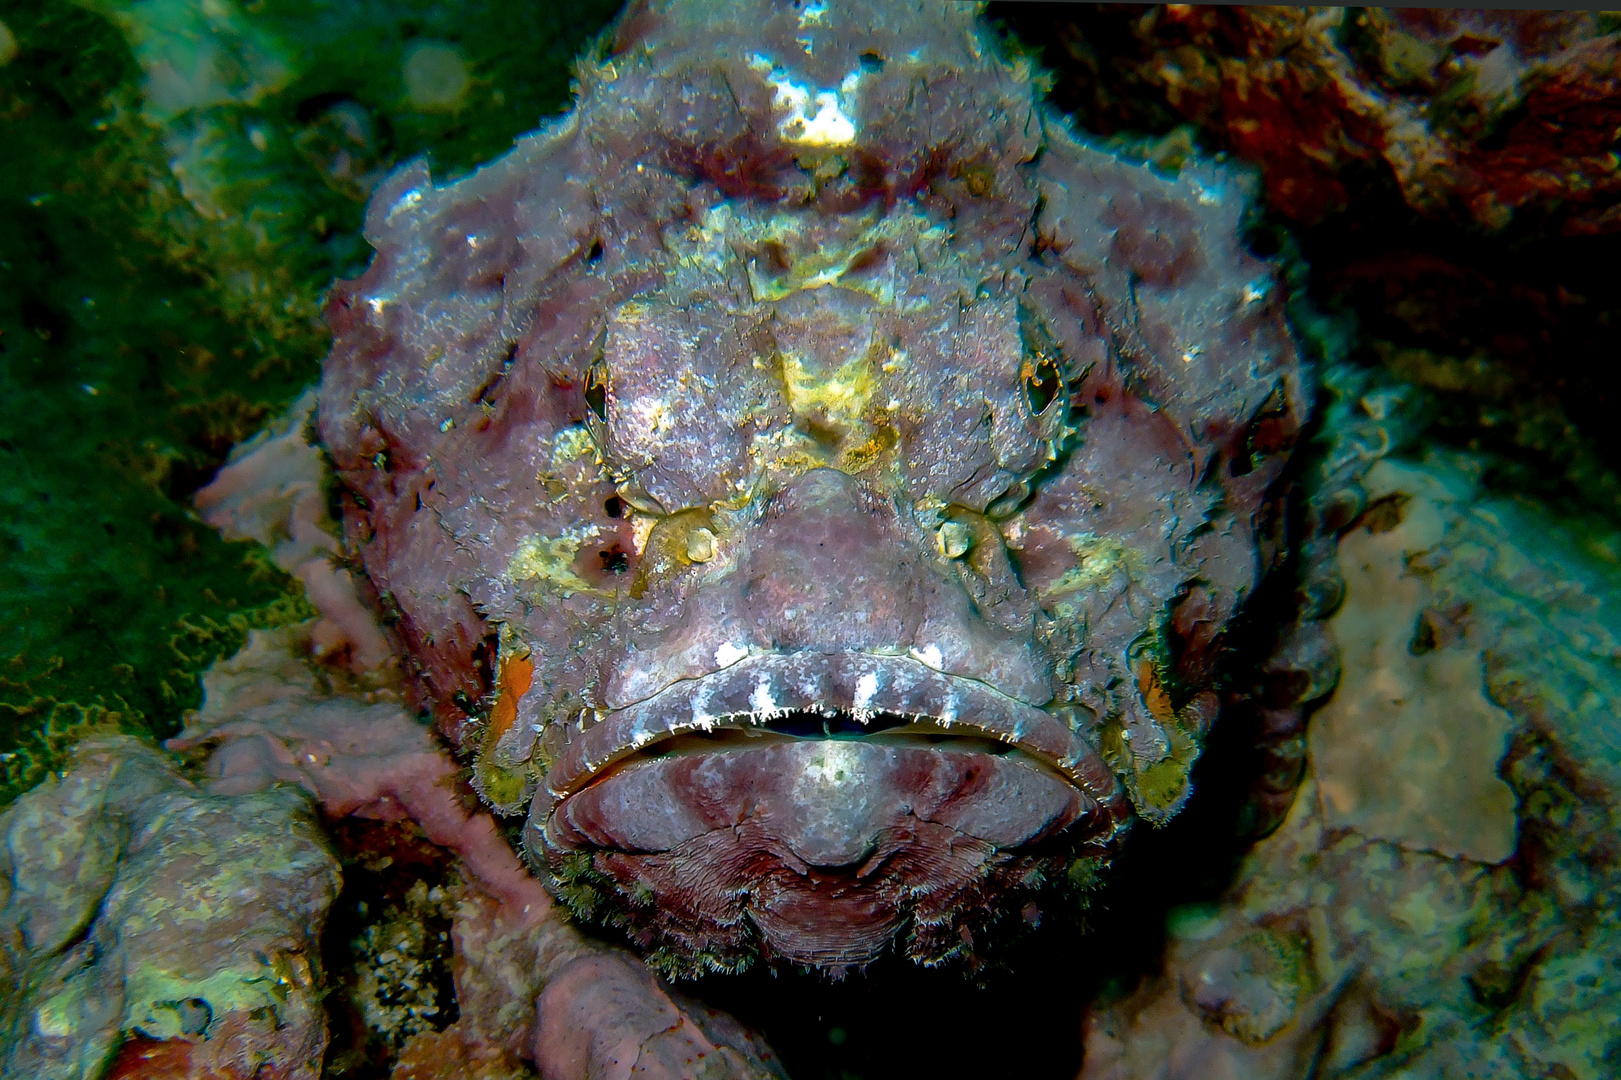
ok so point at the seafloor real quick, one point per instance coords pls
(181, 181)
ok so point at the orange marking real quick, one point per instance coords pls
(517, 673)
(1157, 700)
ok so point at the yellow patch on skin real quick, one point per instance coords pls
(723, 234)
(669, 546)
(1098, 560)
(549, 560)
(861, 456)
(838, 397)
(572, 444)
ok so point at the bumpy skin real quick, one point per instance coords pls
(812, 482)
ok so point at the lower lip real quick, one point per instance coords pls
(819, 850)
(826, 802)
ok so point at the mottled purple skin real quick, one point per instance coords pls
(917, 417)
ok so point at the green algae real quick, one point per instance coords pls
(184, 181)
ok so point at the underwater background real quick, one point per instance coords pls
(182, 180)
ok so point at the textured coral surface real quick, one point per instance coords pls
(1476, 112)
(1441, 908)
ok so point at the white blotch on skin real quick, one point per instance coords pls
(813, 117)
(866, 687)
(761, 700)
(728, 654)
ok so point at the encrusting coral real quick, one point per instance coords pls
(1482, 113)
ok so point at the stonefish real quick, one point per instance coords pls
(811, 483)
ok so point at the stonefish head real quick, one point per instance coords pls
(810, 482)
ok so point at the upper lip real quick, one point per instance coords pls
(754, 691)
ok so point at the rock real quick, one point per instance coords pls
(1473, 113)
(1442, 899)
(135, 906)
(1409, 749)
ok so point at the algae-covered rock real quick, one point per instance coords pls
(1443, 899)
(1476, 112)
(134, 906)
(1409, 750)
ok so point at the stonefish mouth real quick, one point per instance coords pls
(807, 806)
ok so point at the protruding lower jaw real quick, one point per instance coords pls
(818, 834)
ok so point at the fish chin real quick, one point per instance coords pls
(814, 852)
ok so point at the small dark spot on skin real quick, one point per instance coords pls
(614, 560)
(775, 257)
(872, 61)
(614, 506)
(594, 255)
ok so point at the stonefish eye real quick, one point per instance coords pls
(596, 390)
(1042, 384)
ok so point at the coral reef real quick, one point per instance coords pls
(135, 906)
(1479, 112)
(188, 176)
(1441, 900)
